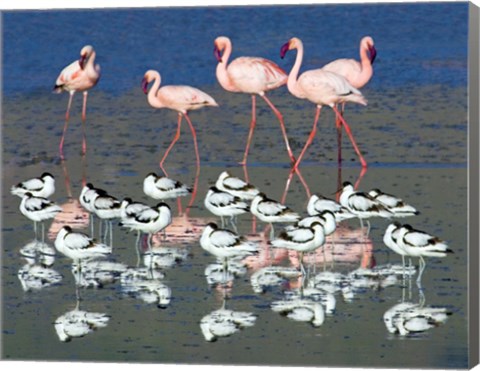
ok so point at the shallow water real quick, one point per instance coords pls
(413, 135)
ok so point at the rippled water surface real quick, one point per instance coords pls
(413, 134)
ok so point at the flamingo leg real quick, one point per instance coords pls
(304, 183)
(175, 138)
(192, 129)
(253, 123)
(65, 126)
(310, 137)
(350, 135)
(287, 186)
(282, 125)
(338, 124)
(70, 98)
(84, 122)
(197, 173)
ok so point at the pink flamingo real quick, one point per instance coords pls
(250, 75)
(322, 88)
(358, 74)
(180, 98)
(80, 75)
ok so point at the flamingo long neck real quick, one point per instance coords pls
(90, 67)
(367, 70)
(152, 93)
(222, 72)
(292, 85)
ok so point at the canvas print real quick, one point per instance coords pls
(242, 185)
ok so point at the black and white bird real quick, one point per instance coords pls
(150, 221)
(236, 186)
(271, 211)
(420, 244)
(317, 204)
(106, 208)
(395, 205)
(162, 188)
(362, 205)
(79, 246)
(44, 186)
(38, 209)
(326, 218)
(390, 239)
(301, 239)
(224, 204)
(87, 195)
(225, 244)
(129, 208)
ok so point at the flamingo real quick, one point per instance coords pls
(81, 75)
(322, 88)
(251, 75)
(181, 98)
(358, 74)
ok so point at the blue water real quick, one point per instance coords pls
(423, 43)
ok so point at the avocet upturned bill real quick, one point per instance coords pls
(162, 188)
(236, 186)
(38, 209)
(271, 211)
(224, 204)
(394, 204)
(44, 186)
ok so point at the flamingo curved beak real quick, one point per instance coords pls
(373, 53)
(216, 52)
(145, 85)
(81, 61)
(284, 49)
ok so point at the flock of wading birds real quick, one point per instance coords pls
(335, 83)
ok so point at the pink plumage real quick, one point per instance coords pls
(358, 74)
(251, 75)
(81, 75)
(181, 98)
(322, 88)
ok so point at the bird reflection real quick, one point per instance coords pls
(225, 322)
(37, 276)
(409, 318)
(270, 276)
(145, 284)
(344, 246)
(97, 273)
(78, 323)
(165, 257)
(301, 310)
(72, 214)
(217, 274)
(38, 273)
